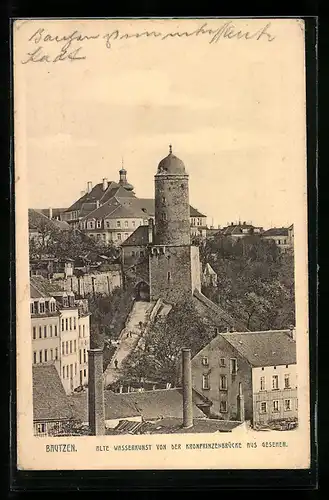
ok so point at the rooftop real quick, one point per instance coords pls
(49, 399)
(276, 231)
(267, 348)
(39, 221)
(42, 287)
(138, 238)
(174, 426)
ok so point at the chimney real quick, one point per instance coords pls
(187, 389)
(96, 407)
(150, 231)
(82, 193)
(240, 405)
(292, 332)
(50, 213)
(105, 184)
(89, 186)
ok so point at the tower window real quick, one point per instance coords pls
(163, 199)
(169, 275)
(164, 216)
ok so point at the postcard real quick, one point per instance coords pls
(161, 244)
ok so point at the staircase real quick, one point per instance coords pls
(129, 338)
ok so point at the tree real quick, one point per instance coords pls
(157, 357)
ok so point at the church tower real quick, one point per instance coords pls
(174, 264)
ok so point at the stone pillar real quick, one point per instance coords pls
(187, 388)
(96, 407)
(240, 405)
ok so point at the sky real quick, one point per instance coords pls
(234, 112)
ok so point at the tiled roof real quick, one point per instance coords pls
(159, 403)
(238, 229)
(49, 399)
(276, 231)
(97, 194)
(138, 238)
(115, 407)
(174, 426)
(42, 287)
(268, 348)
(38, 219)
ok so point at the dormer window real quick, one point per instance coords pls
(118, 223)
(65, 302)
(32, 308)
(41, 307)
(99, 224)
(205, 361)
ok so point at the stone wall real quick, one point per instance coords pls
(100, 283)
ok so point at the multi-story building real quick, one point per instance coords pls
(111, 212)
(260, 366)
(60, 332)
(282, 236)
(240, 230)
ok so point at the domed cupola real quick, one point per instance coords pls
(171, 165)
(123, 179)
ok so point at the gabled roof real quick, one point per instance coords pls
(38, 220)
(268, 348)
(159, 403)
(238, 229)
(115, 407)
(41, 287)
(49, 399)
(138, 238)
(98, 194)
(276, 231)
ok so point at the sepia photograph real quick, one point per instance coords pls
(161, 241)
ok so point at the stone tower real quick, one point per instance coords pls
(172, 209)
(174, 265)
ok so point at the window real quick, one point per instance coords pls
(41, 428)
(287, 404)
(84, 356)
(42, 307)
(63, 371)
(45, 332)
(233, 366)
(99, 224)
(67, 371)
(296, 404)
(63, 349)
(83, 329)
(118, 223)
(276, 406)
(90, 224)
(62, 325)
(40, 332)
(75, 346)
(66, 347)
(222, 361)
(275, 382)
(74, 323)
(133, 223)
(71, 347)
(56, 353)
(40, 356)
(80, 357)
(46, 355)
(126, 223)
(70, 320)
(287, 381)
(263, 407)
(34, 333)
(119, 236)
(205, 361)
(71, 371)
(223, 407)
(79, 331)
(34, 357)
(50, 330)
(133, 253)
(75, 368)
(66, 324)
(85, 372)
(32, 308)
(223, 382)
(205, 382)
(98, 236)
(164, 216)
(169, 276)
(262, 384)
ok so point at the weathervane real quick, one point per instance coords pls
(170, 149)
